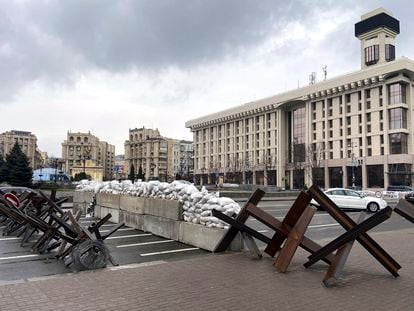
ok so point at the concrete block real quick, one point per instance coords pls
(133, 220)
(164, 227)
(132, 204)
(81, 200)
(101, 212)
(108, 200)
(83, 197)
(163, 208)
(204, 237)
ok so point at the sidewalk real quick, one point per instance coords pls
(231, 281)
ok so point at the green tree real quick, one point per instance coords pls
(18, 171)
(140, 175)
(131, 175)
(3, 170)
(81, 176)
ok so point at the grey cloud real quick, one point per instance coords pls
(54, 40)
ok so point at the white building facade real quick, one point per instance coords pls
(355, 129)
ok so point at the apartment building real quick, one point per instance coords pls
(159, 157)
(355, 129)
(27, 142)
(81, 148)
(181, 159)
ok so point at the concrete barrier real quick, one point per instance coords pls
(205, 237)
(170, 209)
(108, 200)
(162, 218)
(81, 200)
(132, 204)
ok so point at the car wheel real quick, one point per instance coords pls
(373, 207)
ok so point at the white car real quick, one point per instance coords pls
(351, 199)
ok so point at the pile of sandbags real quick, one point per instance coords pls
(197, 205)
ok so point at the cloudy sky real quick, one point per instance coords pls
(106, 66)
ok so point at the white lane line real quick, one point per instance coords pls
(326, 225)
(123, 229)
(169, 252)
(111, 225)
(18, 257)
(127, 236)
(7, 239)
(144, 243)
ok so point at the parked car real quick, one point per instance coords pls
(400, 188)
(410, 197)
(351, 199)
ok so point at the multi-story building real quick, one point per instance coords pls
(107, 158)
(158, 156)
(27, 142)
(78, 148)
(355, 129)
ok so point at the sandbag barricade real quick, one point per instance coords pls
(79, 247)
(290, 234)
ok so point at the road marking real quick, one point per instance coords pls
(169, 252)
(18, 257)
(144, 243)
(127, 236)
(327, 225)
(110, 225)
(6, 239)
(123, 229)
(263, 231)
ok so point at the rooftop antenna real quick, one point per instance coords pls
(312, 78)
(325, 71)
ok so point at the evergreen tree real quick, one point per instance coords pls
(140, 175)
(3, 171)
(19, 173)
(131, 175)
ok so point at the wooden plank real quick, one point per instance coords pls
(350, 235)
(347, 223)
(231, 233)
(240, 226)
(405, 209)
(336, 267)
(301, 202)
(294, 239)
(284, 229)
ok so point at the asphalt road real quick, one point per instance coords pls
(131, 246)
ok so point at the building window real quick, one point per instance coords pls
(371, 54)
(375, 176)
(367, 93)
(398, 118)
(389, 52)
(299, 123)
(398, 143)
(399, 174)
(396, 93)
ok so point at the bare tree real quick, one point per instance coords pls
(315, 154)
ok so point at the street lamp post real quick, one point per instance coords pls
(353, 162)
(203, 169)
